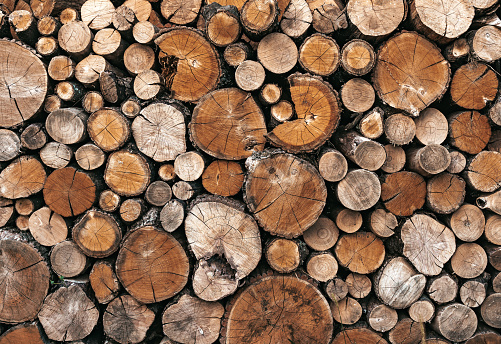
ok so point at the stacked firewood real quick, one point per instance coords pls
(250, 171)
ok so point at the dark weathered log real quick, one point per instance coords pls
(455, 322)
(104, 282)
(67, 260)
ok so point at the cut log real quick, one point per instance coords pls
(47, 228)
(191, 320)
(61, 68)
(68, 91)
(284, 255)
(410, 86)
(109, 201)
(322, 235)
(469, 131)
(371, 124)
(455, 321)
(66, 125)
(296, 19)
(332, 165)
(52, 103)
(347, 311)
(181, 12)
(349, 221)
(68, 15)
(457, 50)
(431, 127)
(189, 166)
(172, 215)
(68, 192)
(328, 16)
(131, 209)
(89, 157)
(336, 289)
(56, 155)
(23, 333)
(485, 43)
(360, 252)
(221, 24)
(22, 222)
(474, 85)
(322, 266)
(104, 282)
(142, 8)
(131, 107)
(124, 19)
(428, 160)
(10, 145)
(382, 223)
(24, 206)
(479, 173)
(428, 244)
(213, 279)
(496, 282)
(47, 46)
(270, 94)
(359, 286)
(138, 58)
(113, 88)
(362, 335)
(158, 193)
(364, 152)
(399, 129)
(458, 162)
(236, 53)
(97, 234)
(184, 190)
(67, 260)
(491, 310)
(25, 84)
(144, 32)
(26, 281)
(277, 52)
(442, 289)
(467, 223)
(108, 129)
(90, 68)
(422, 311)
(250, 75)
(445, 193)
(166, 172)
(473, 293)
(257, 315)
(24, 177)
(127, 173)
(282, 111)
(92, 101)
(357, 95)
(219, 128)
(158, 272)
(359, 190)
(148, 84)
(23, 26)
(190, 73)
(271, 189)
(376, 19)
(494, 254)
(484, 338)
(68, 314)
(406, 331)
(259, 17)
(224, 178)
(76, 38)
(126, 320)
(97, 14)
(403, 193)
(381, 317)
(495, 141)
(358, 57)
(469, 260)
(395, 159)
(441, 21)
(397, 284)
(492, 229)
(33, 137)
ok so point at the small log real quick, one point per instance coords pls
(138, 58)
(421, 235)
(360, 252)
(23, 177)
(277, 52)
(90, 68)
(469, 260)
(114, 89)
(236, 143)
(422, 310)
(359, 286)
(172, 215)
(445, 193)
(443, 288)
(272, 180)
(236, 53)
(10, 145)
(359, 190)
(270, 94)
(24, 26)
(124, 19)
(162, 260)
(131, 209)
(33, 137)
(395, 159)
(322, 266)
(75, 38)
(473, 293)
(104, 282)
(189, 166)
(97, 14)
(259, 17)
(184, 190)
(61, 68)
(296, 19)
(126, 173)
(131, 107)
(332, 165)
(357, 95)
(22, 333)
(250, 75)
(68, 192)
(485, 43)
(380, 317)
(347, 311)
(399, 93)
(458, 162)
(26, 281)
(469, 131)
(492, 233)
(490, 310)
(403, 192)
(358, 57)
(364, 152)
(68, 91)
(180, 12)
(371, 124)
(282, 111)
(126, 320)
(322, 235)
(52, 103)
(158, 193)
(191, 80)
(455, 321)
(494, 254)
(428, 160)
(457, 50)
(24, 206)
(22, 222)
(224, 178)
(108, 129)
(66, 125)
(47, 228)
(56, 155)
(159, 131)
(67, 260)
(148, 84)
(473, 86)
(431, 127)
(89, 157)
(48, 26)
(435, 19)
(406, 331)
(399, 129)
(257, 308)
(347, 220)
(221, 24)
(68, 314)
(68, 15)
(382, 223)
(478, 172)
(336, 289)
(467, 223)
(376, 19)
(329, 16)
(47, 46)
(284, 255)
(144, 32)
(109, 201)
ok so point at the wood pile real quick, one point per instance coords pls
(250, 171)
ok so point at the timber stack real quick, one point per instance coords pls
(250, 171)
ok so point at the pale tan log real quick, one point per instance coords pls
(67, 260)
(67, 125)
(467, 223)
(258, 17)
(6, 210)
(347, 220)
(92, 101)
(68, 15)
(382, 223)
(250, 75)
(322, 235)
(138, 58)
(109, 201)
(357, 95)
(56, 155)
(180, 12)
(473, 293)
(24, 206)
(399, 129)
(52, 103)
(458, 162)
(284, 255)
(422, 310)
(22, 222)
(455, 321)
(76, 39)
(22, 178)
(158, 193)
(359, 190)
(48, 26)
(336, 289)
(10, 145)
(277, 53)
(376, 19)
(131, 107)
(97, 14)
(131, 209)
(144, 32)
(380, 317)
(282, 111)
(428, 160)
(346, 311)
(172, 215)
(469, 260)
(494, 254)
(322, 266)
(364, 152)
(183, 190)
(33, 137)
(109, 44)
(270, 94)
(47, 228)
(332, 165)
(485, 43)
(491, 309)
(148, 84)
(61, 68)
(127, 173)
(443, 288)
(395, 159)
(90, 68)
(493, 229)
(47, 46)
(371, 124)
